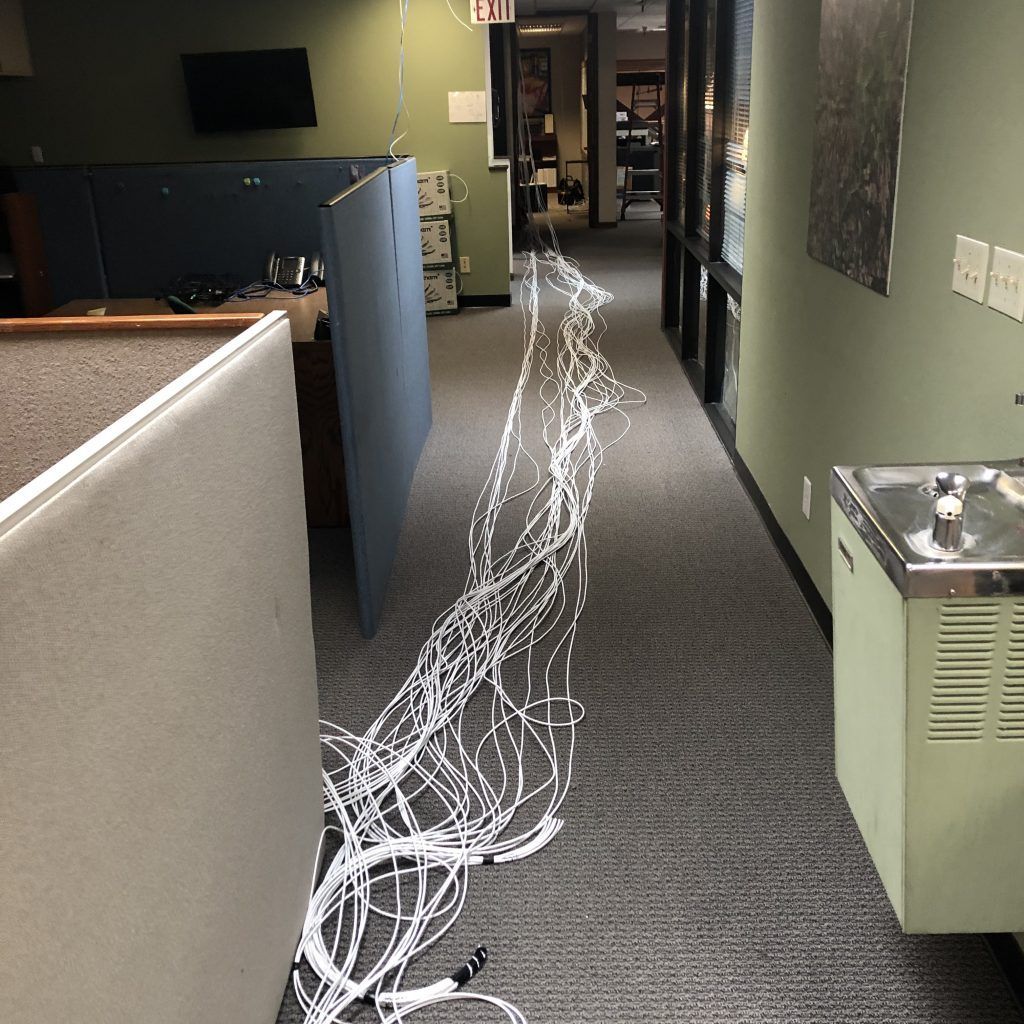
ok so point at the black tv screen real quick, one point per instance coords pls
(245, 89)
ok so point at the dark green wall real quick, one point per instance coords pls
(108, 88)
(830, 372)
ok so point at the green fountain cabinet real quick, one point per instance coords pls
(929, 733)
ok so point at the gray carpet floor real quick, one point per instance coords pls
(709, 870)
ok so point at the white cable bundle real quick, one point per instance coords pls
(414, 802)
(433, 788)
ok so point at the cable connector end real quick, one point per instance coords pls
(471, 967)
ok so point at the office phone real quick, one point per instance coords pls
(293, 271)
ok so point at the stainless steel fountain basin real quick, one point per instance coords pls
(893, 510)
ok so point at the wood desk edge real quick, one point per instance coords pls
(155, 322)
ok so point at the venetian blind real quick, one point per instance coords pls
(707, 128)
(736, 135)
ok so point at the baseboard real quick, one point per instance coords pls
(485, 300)
(1009, 958)
(695, 375)
(810, 593)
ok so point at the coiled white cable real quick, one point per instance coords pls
(413, 802)
(481, 734)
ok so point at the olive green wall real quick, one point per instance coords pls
(108, 88)
(831, 372)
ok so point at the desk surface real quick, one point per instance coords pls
(301, 311)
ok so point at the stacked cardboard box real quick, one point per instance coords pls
(437, 243)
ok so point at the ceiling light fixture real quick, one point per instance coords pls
(538, 27)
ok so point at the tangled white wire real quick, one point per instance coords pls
(431, 788)
(483, 730)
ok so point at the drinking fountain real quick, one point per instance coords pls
(928, 622)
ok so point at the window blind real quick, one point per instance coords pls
(707, 132)
(737, 128)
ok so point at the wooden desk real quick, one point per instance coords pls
(323, 464)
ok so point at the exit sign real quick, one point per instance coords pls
(490, 12)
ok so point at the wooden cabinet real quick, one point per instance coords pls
(15, 59)
(20, 219)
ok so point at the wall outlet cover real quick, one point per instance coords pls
(37, 154)
(1006, 288)
(970, 268)
(805, 502)
(464, 265)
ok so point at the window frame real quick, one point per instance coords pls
(686, 252)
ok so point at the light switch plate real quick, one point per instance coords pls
(970, 268)
(37, 154)
(805, 503)
(1006, 287)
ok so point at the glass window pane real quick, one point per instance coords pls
(679, 126)
(707, 132)
(702, 319)
(737, 129)
(731, 377)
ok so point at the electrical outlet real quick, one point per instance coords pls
(464, 265)
(1006, 293)
(805, 503)
(37, 154)
(970, 268)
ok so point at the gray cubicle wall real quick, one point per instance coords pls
(378, 331)
(161, 802)
(130, 230)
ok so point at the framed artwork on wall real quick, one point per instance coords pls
(536, 72)
(863, 51)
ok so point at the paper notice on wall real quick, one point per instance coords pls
(491, 12)
(467, 107)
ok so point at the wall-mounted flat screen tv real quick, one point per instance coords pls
(247, 89)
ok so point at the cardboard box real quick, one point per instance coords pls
(440, 291)
(435, 194)
(436, 242)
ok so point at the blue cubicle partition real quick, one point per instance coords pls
(371, 248)
(127, 231)
(131, 230)
(405, 216)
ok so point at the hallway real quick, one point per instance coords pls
(708, 869)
